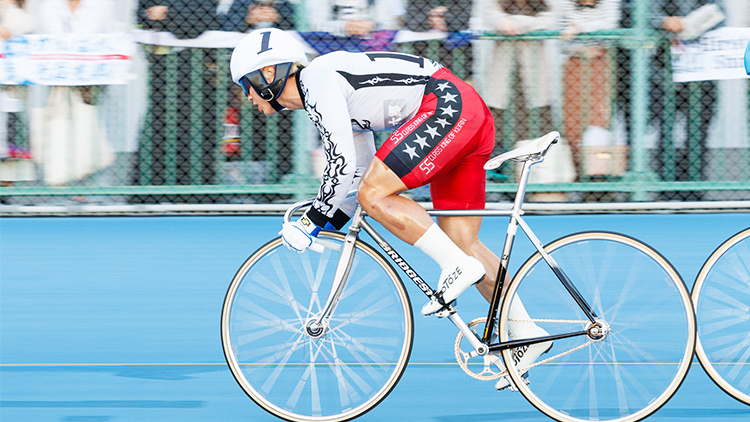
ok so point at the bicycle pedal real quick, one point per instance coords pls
(525, 378)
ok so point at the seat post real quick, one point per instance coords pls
(521, 191)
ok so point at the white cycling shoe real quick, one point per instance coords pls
(455, 281)
(525, 356)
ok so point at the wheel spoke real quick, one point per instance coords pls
(721, 295)
(338, 373)
(636, 367)
(278, 367)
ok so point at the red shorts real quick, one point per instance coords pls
(446, 144)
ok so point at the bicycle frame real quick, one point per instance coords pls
(482, 346)
(302, 353)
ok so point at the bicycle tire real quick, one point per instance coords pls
(642, 360)
(721, 297)
(297, 377)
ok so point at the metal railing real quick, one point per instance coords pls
(182, 154)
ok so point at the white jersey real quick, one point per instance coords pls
(349, 95)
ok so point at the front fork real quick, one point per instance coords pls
(317, 325)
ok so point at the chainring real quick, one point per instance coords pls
(491, 364)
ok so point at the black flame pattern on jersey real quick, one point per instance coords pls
(335, 161)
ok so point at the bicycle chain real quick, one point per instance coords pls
(504, 373)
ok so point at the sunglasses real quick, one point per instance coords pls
(258, 82)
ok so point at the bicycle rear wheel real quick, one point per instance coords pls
(335, 376)
(721, 296)
(644, 310)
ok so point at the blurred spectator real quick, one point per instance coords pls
(587, 73)
(186, 19)
(271, 14)
(68, 135)
(231, 15)
(519, 70)
(261, 14)
(676, 159)
(623, 69)
(451, 16)
(195, 160)
(358, 18)
(13, 21)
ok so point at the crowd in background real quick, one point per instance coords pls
(70, 143)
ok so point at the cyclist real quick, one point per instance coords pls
(444, 133)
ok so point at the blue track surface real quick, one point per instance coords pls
(117, 319)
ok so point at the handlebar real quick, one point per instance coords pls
(319, 245)
(297, 205)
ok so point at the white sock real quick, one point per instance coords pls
(438, 246)
(520, 323)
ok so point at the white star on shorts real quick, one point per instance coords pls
(443, 86)
(432, 131)
(448, 110)
(442, 122)
(412, 151)
(448, 97)
(422, 141)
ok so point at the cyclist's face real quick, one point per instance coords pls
(262, 105)
(253, 96)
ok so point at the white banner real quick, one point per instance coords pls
(208, 39)
(718, 54)
(222, 39)
(67, 59)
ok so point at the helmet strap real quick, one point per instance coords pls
(275, 104)
(277, 88)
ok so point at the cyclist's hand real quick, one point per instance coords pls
(299, 235)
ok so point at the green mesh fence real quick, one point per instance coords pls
(630, 132)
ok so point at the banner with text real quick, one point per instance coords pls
(718, 54)
(67, 59)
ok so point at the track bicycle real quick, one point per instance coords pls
(325, 336)
(721, 296)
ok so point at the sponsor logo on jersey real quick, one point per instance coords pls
(406, 130)
(421, 140)
(427, 165)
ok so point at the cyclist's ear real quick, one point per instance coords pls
(268, 72)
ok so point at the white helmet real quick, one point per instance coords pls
(261, 48)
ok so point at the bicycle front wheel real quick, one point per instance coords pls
(641, 352)
(338, 374)
(721, 296)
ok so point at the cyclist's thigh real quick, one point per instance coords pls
(462, 187)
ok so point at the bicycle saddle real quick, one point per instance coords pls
(535, 148)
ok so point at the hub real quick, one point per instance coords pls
(314, 329)
(598, 330)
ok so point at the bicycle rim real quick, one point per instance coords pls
(721, 296)
(645, 308)
(337, 376)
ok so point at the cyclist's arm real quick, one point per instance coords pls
(326, 106)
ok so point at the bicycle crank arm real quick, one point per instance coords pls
(469, 335)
